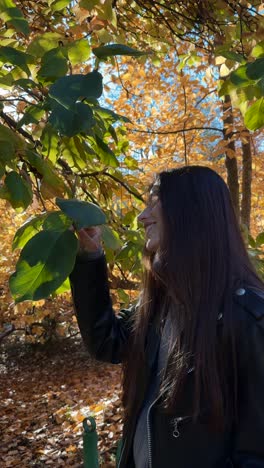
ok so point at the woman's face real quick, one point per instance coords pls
(151, 219)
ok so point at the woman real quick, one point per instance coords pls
(193, 347)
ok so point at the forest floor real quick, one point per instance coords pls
(45, 393)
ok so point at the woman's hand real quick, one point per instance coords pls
(90, 239)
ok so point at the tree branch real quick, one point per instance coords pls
(171, 132)
(12, 123)
(123, 184)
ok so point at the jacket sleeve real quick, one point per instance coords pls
(249, 435)
(104, 333)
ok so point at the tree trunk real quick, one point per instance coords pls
(231, 161)
(246, 180)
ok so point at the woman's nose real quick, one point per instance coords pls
(143, 215)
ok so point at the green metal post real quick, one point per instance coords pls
(90, 440)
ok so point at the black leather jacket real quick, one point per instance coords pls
(176, 441)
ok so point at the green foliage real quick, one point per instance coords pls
(59, 141)
(111, 50)
(254, 116)
(67, 90)
(44, 264)
(57, 221)
(31, 227)
(54, 64)
(12, 15)
(259, 240)
(255, 251)
(83, 214)
(16, 57)
(110, 238)
(72, 120)
(247, 83)
(43, 43)
(57, 5)
(79, 51)
(44, 168)
(17, 191)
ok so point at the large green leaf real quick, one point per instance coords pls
(106, 155)
(82, 213)
(258, 50)
(31, 227)
(57, 221)
(255, 70)
(16, 57)
(11, 14)
(130, 256)
(111, 50)
(260, 239)
(25, 83)
(44, 42)
(10, 142)
(111, 238)
(54, 64)
(32, 114)
(58, 5)
(47, 170)
(89, 4)
(18, 191)
(240, 78)
(230, 55)
(64, 287)
(7, 145)
(44, 264)
(110, 116)
(69, 89)
(73, 120)
(50, 141)
(254, 116)
(76, 152)
(79, 51)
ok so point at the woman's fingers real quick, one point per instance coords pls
(90, 239)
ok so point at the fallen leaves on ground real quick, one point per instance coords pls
(45, 395)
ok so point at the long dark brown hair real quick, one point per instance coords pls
(201, 261)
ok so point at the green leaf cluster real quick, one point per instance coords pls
(49, 248)
(246, 84)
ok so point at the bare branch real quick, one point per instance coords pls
(171, 132)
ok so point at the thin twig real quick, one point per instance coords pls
(171, 132)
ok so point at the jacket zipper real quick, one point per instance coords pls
(149, 433)
(148, 422)
(176, 422)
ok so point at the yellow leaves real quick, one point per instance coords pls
(97, 408)
(71, 448)
(80, 13)
(224, 70)
(39, 303)
(126, 76)
(220, 60)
